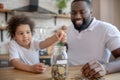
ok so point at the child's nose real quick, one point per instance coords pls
(25, 35)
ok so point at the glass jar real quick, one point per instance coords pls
(59, 63)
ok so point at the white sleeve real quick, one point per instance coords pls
(36, 44)
(113, 38)
(113, 66)
(12, 51)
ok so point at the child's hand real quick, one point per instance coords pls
(39, 68)
(61, 35)
(93, 69)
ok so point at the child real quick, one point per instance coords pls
(23, 49)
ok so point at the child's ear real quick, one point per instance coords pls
(14, 37)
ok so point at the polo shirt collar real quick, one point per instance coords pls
(92, 25)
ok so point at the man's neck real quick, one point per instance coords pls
(86, 25)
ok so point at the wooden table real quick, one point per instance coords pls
(13, 74)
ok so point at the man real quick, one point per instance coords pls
(91, 42)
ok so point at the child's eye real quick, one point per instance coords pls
(21, 33)
(28, 32)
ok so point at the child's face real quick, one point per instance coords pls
(23, 35)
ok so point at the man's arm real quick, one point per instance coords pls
(94, 69)
(114, 66)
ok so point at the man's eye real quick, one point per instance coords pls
(82, 12)
(73, 13)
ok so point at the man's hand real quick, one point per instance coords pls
(93, 69)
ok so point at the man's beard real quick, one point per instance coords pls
(81, 27)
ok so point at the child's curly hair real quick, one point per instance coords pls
(17, 20)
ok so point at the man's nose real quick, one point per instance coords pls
(78, 15)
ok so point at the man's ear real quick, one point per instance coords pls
(91, 12)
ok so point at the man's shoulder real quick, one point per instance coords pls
(104, 23)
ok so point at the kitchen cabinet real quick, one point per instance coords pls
(1, 31)
(5, 11)
(3, 28)
(64, 16)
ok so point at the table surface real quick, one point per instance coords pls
(12, 74)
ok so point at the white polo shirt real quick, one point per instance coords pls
(28, 56)
(93, 43)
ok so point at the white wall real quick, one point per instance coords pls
(44, 25)
(39, 20)
(117, 14)
(96, 8)
(107, 10)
